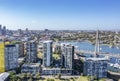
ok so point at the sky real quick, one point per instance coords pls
(60, 14)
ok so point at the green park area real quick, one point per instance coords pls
(81, 78)
(55, 55)
(40, 54)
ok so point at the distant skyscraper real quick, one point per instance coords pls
(4, 30)
(0, 29)
(47, 53)
(27, 31)
(67, 56)
(19, 31)
(31, 51)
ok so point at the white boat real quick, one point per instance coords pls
(116, 65)
(117, 47)
(110, 46)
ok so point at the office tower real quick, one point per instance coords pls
(27, 31)
(11, 56)
(19, 32)
(47, 53)
(4, 30)
(31, 50)
(8, 56)
(67, 56)
(0, 26)
(0, 29)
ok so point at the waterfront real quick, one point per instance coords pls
(85, 45)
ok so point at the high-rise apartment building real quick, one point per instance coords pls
(67, 56)
(96, 67)
(47, 53)
(20, 46)
(31, 50)
(8, 56)
(11, 56)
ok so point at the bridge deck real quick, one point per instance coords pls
(92, 52)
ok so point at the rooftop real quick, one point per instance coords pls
(3, 76)
(54, 68)
(31, 65)
(97, 58)
(47, 41)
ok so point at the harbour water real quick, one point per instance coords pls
(85, 45)
(113, 64)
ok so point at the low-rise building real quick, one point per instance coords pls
(32, 68)
(4, 76)
(55, 71)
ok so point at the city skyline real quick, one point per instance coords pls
(60, 14)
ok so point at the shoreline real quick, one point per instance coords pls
(85, 41)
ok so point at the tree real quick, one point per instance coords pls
(28, 75)
(38, 75)
(89, 78)
(23, 76)
(59, 76)
(31, 76)
(30, 79)
(50, 79)
(18, 79)
(12, 76)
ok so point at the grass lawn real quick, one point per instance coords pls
(59, 79)
(56, 56)
(62, 79)
(82, 78)
(40, 55)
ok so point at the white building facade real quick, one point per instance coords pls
(47, 53)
